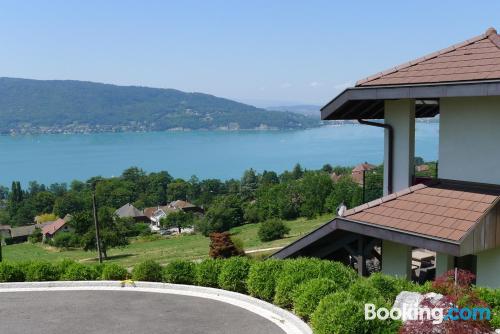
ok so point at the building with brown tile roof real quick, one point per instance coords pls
(457, 216)
(51, 229)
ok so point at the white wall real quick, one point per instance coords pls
(401, 115)
(469, 139)
(488, 263)
(396, 259)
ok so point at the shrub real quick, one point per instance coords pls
(41, 271)
(363, 291)
(222, 247)
(309, 294)
(113, 272)
(339, 313)
(179, 272)
(66, 240)
(79, 272)
(272, 229)
(148, 270)
(386, 285)
(262, 278)
(10, 273)
(36, 236)
(298, 271)
(207, 273)
(234, 273)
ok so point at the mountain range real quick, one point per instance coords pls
(69, 106)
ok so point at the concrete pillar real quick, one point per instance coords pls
(488, 263)
(400, 114)
(396, 259)
(444, 262)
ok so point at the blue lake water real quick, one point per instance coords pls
(206, 154)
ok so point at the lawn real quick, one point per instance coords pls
(191, 247)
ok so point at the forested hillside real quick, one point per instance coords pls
(54, 106)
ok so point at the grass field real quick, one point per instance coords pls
(189, 247)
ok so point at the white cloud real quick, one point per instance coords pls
(344, 85)
(286, 85)
(314, 84)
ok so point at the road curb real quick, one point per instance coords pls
(287, 321)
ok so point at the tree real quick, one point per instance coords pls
(346, 191)
(297, 172)
(112, 233)
(315, 187)
(272, 229)
(16, 192)
(249, 183)
(327, 168)
(178, 219)
(269, 178)
(177, 189)
(43, 202)
(69, 203)
(225, 213)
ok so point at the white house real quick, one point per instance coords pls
(458, 215)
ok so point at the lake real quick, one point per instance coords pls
(206, 154)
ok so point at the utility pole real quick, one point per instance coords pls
(96, 223)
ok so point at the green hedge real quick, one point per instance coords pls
(11, 273)
(339, 313)
(207, 273)
(148, 270)
(262, 278)
(309, 294)
(300, 270)
(234, 273)
(179, 272)
(41, 271)
(113, 272)
(79, 272)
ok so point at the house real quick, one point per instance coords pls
(422, 168)
(51, 229)
(21, 233)
(457, 215)
(4, 233)
(155, 214)
(358, 172)
(130, 211)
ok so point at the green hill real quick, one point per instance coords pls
(54, 106)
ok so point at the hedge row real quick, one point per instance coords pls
(328, 294)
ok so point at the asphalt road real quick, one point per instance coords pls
(108, 312)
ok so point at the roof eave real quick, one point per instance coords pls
(369, 95)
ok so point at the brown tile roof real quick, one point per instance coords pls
(53, 227)
(446, 211)
(475, 59)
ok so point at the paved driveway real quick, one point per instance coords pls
(109, 312)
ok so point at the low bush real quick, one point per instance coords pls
(387, 286)
(262, 278)
(41, 271)
(207, 273)
(272, 229)
(66, 240)
(297, 271)
(179, 272)
(11, 273)
(363, 291)
(148, 270)
(339, 313)
(309, 294)
(113, 272)
(222, 247)
(79, 272)
(234, 273)
(36, 236)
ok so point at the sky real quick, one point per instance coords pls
(266, 53)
